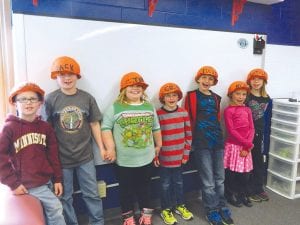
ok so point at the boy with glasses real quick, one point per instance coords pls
(29, 153)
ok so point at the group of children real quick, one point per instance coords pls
(40, 158)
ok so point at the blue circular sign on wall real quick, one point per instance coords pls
(243, 43)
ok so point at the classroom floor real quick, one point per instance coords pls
(277, 211)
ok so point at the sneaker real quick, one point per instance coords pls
(233, 200)
(146, 217)
(255, 198)
(214, 218)
(128, 218)
(226, 216)
(247, 202)
(168, 217)
(263, 196)
(184, 212)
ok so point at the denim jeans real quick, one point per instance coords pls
(171, 187)
(86, 175)
(210, 166)
(53, 209)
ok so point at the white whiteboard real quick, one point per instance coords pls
(283, 68)
(107, 50)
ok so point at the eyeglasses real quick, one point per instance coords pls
(26, 100)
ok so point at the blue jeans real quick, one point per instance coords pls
(210, 166)
(53, 209)
(171, 187)
(86, 175)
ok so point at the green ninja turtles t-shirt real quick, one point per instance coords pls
(132, 127)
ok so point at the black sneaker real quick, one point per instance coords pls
(247, 202)
(233, 200)
(214, 218)
(226, 216)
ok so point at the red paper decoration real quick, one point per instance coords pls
(151, 6)
(237, 9)
(35, 2)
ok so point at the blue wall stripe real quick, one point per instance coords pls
(280, 21)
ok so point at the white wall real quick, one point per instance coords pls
(107, 50)
(283, 66)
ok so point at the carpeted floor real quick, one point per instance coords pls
(277, 211)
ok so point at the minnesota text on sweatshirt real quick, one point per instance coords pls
(28, 153)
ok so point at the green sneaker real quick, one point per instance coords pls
(255, 198)
(184, 212)
(168, 217)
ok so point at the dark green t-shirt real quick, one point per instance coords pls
(71, 116)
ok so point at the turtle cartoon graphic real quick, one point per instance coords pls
(137, 136)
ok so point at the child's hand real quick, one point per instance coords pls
(21, 190)
(110, 155)
(157, 150)
(244, 153)
(156, 161)
(183, 161)
(103, 154)
(58, 189)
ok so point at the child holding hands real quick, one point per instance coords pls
(131, 128)
(238, 145)
(75, 116)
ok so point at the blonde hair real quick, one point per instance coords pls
(263, 91)
(123, 99)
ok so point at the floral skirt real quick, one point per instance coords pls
(234, 162)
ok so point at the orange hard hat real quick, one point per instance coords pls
(237, 85)
(257, 73)
(167, 89)
(207, 70)
(132, 78)
(63, 65)
(23, 87)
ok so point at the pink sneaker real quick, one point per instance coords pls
(146, 217)
(128, 218)
(263, 196)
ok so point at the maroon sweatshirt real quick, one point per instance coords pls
(28, 153)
